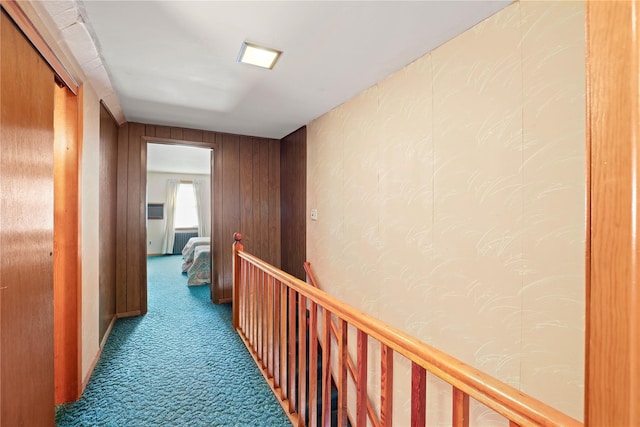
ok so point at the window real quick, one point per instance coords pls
(186, 208)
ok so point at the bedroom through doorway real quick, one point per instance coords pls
(178, 210)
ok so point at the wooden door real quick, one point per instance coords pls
(26, 232)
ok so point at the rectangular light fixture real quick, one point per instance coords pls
(257, 55)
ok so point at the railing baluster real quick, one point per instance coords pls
(276, 333)
(245, 295)
(418, 395)
(342, 372)
(283, 342)
(361, 382)
(247, 299)
(326, 368)
(251, 301)
(263, 319)
(460, 408)
(302, 356)
(238, 312)
(259, 317)
(254, 317)
(248, 289)
(292, 350)
(237, 281)
(265, 323)
(313, 364)
(270, 320)
(386, 386)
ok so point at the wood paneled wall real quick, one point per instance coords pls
(107, 226)
(293, 194)
(246, 197)
(26, 232)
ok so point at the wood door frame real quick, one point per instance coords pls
(212, 212)
(612, 371)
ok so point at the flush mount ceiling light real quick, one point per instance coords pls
(257, 55)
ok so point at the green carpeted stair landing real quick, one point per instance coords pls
(181, 364)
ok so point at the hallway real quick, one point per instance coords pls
(180, 364)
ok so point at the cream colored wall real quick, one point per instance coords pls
(451, 202)
(90, 191)
(157, 193)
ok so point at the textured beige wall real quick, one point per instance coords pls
(451, 202)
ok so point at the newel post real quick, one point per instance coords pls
(237, 246)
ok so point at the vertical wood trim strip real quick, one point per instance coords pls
(136, 261)
(275, 248)
(66, 281)
(142, 224)
(121, 219)
(262, 200)
(217, 235)
(613, 299)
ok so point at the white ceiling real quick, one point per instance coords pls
(174, 62)
(178, 159)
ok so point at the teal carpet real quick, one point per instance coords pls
(181, 364)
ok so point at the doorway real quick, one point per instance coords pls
(179, 205)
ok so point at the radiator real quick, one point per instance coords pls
(182, 237)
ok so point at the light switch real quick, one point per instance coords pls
(314, 214)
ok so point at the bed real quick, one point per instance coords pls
(188, 251)
(199, 273)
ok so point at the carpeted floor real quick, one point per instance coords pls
(181, 364)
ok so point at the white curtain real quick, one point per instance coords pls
(170, 205)
(204, 226)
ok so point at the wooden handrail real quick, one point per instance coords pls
(519, 408)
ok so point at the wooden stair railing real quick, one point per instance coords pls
(286, 323)
(353, 372)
